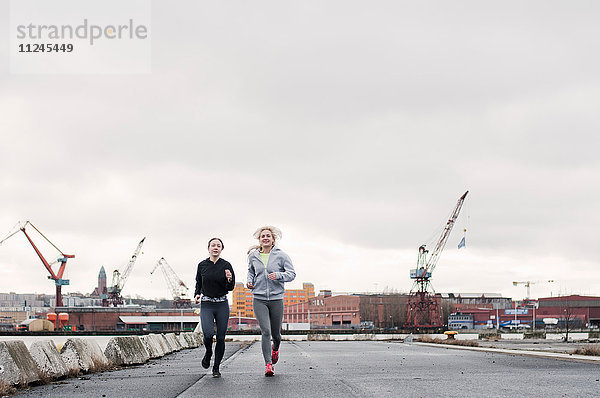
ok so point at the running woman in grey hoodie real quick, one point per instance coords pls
(268, 269)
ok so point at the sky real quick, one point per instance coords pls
(354, 127)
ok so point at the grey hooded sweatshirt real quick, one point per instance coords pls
(280, 264)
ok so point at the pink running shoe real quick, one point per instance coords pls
(269, 370)
(274, 356)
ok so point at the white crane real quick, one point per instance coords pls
(178, 289)
(529, 283)
(119, 279)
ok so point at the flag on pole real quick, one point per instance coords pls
(462, 243)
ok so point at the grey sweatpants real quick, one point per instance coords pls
(269, 314)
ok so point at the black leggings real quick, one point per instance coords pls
(211, 313)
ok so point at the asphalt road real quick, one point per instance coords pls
(164, 377)
(341, 369)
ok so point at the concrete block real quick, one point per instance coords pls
(48, 359)
(191, 339)
(199, 337)
(83, 355)
(364, 336)
(319, 337)
(16, 364)
(174, 341)
(167, 343)
(126, 350)
(152, 346)
(162, 340)
(159, 341)
(183, 341)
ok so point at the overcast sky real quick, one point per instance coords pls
(352, 126)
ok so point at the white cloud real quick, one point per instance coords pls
(354, 129)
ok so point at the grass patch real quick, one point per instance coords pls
(465, 343)
(591, 350)
(98, 366)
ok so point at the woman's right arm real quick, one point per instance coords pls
(198, 284)
(251, 274)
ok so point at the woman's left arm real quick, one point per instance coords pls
(230, 284)
(288, 274)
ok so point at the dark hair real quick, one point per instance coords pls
(219, 239)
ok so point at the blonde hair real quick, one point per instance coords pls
(275, 232)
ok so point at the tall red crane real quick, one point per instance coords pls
(56, 277)
(178, 289)
(423, 310)
(119, 278)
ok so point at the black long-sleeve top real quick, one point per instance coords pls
(211, 280)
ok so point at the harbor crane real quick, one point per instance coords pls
(423, 310)
(119, 278)
(57, 277)
(529, 283)
(178, 289)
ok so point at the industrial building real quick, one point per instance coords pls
(130, 318)
(349, 311)
(576, 311)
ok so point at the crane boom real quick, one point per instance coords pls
(439, 247)
(176, 286)
(119, 278)
(127, 271)
(423, 310)
(528, 285)
(57, 277)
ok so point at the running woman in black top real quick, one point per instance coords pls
(214, 279)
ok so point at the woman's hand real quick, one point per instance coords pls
(249, 285)
(272, 276)
(228, 275)
(197, 298)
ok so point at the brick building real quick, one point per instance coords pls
(241, 303)
(348, 311)
(467, 301)
(581, 310)
(130, 318)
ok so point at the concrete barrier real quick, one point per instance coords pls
(511, 336)
(153, 346)
(182, 340)
(83, 356)
(16, 364)
(174, 341)
(198, 337)
(168, 343)
(162, 339)
(319, 337)
(187, 340)
(364, 336)
(48, 359)
(126, 350)
(191, 339)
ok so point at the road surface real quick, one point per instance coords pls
(341, 369)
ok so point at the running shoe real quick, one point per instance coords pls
(274, 356)
(216, 372)
(206, 360)
(269, 370)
